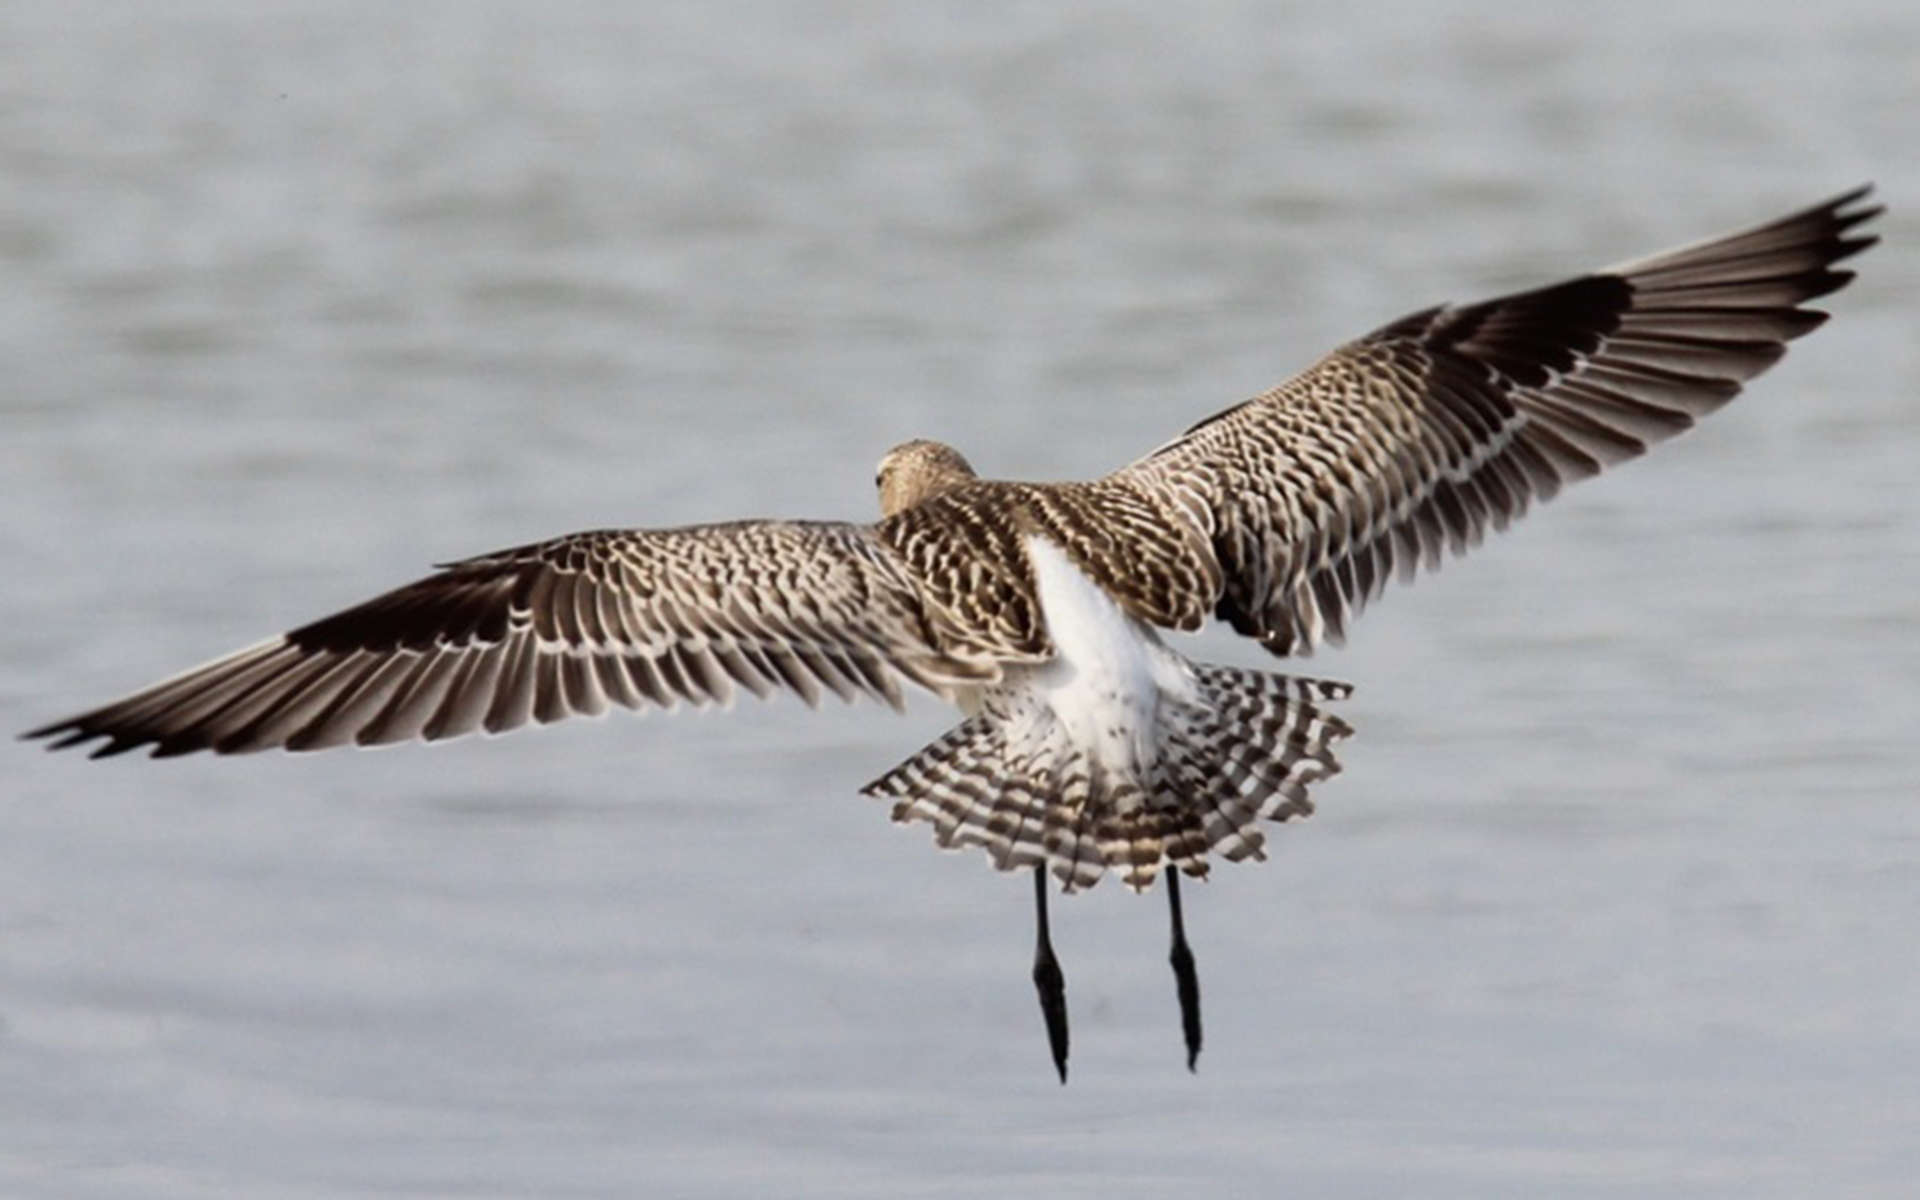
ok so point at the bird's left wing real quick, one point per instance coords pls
(569, 626)
(1415, 439)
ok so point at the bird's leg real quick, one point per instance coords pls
(1186, 980)
(1048, 979)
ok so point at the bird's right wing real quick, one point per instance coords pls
(569, 626)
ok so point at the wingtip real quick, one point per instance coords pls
(1841, 206)
(1860, 191)
(1848, 210)
(62, 735)
(45, 731)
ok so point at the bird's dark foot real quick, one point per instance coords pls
(1048, 979)
(1186, 979)
(1187, 983)
(1052, 986)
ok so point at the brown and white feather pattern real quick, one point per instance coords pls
(1243, 750)
(1415, 439)
(572, 626)
(1089, 745)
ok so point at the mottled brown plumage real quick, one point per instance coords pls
(1283, 515)
(1088, 746)
(1418, 437)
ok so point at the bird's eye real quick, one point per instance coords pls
(880, 479)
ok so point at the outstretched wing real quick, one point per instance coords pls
(570, 626)
(1417, 437)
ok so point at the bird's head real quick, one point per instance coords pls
(915, 471)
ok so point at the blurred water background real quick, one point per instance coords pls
(1618, 896)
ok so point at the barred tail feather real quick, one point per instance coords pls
(1250, 751)
(1245, 748)
(965, 785)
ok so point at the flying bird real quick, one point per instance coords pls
(1088, 743)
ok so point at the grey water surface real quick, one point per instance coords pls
(1618, 896)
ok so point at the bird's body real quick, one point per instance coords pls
(1088, 743)
(1116, 752)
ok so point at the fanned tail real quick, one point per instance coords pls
(1250, 753)
(1246, 747)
